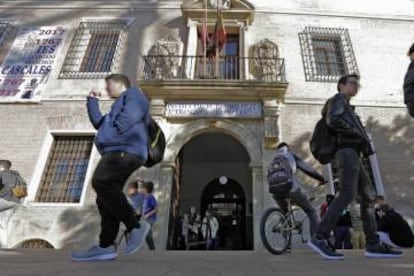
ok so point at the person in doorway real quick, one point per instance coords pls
(149, 210)
(352, 143)
(122, 140)
(324, 207)
(342, 231)
(357, 231)
(236, 230)
(409, 83)
(136, 197)
(393, 229)
(210, 227)
(185, 226)
(13, 187)
(296, 194)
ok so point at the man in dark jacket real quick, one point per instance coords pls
(393, 229)
(122, 140)
(352, 144)
(409, 84)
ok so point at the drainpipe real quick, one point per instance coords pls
(330, 188)
(373, 159)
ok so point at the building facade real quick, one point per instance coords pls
(222, 116)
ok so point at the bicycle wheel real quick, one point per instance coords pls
(275, 231)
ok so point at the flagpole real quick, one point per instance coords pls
(217, 43)
(205, 27)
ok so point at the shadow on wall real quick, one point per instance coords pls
(395, 148)
(394, 143)
(78, 227)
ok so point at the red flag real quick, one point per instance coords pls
(220, 35)
(204, 35)
(218, 38)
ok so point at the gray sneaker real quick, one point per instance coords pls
(382, 251)
(136, 238)
(323, 248)
(95, 253)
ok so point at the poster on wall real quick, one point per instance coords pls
(29, 62)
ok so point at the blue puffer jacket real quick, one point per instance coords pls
(125, 127)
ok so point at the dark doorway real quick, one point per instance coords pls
(226, 200)
(212, 172)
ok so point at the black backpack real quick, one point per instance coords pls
(323, 142)
(156, 144)
(280, 175)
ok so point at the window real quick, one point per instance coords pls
(64, 174)
(94, 51)
(5, 29)
(36, 243)
(327, 54)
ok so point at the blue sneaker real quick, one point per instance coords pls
(95, 253)
(325, 249)
(136, 238)
(382, 251)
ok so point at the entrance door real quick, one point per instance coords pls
(226, 200)
(204, 162)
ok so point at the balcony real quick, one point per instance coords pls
(228, 78)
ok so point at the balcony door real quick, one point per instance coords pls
(228, 61)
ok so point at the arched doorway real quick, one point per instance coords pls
(201, 163)
(225, 198)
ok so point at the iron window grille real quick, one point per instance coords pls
(327, 54)
(5, 29)
(65, 171)
(36, 244)
(94, 51)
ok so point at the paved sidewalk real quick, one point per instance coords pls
(199, 263)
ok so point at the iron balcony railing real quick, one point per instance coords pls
(231, 68)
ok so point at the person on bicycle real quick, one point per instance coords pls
(295, 193)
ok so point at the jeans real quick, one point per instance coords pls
(300, 199)
(353, 180)
(343, 237)
(149, 239)
(108, 181)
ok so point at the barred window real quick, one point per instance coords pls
(36, 243)
(94, 51)
(327, 54)
(5, 29)
(64, 175)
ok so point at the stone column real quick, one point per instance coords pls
(191, 49)
(164, 201)
(258, 203)
(271, 112)
(244, 53)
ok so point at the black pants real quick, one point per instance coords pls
(353, 180)
(343, 237)
(108, 181)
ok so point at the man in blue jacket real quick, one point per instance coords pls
(122, 140)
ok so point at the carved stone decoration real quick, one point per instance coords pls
(265, 64)
(163, 60)
(271, 114)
